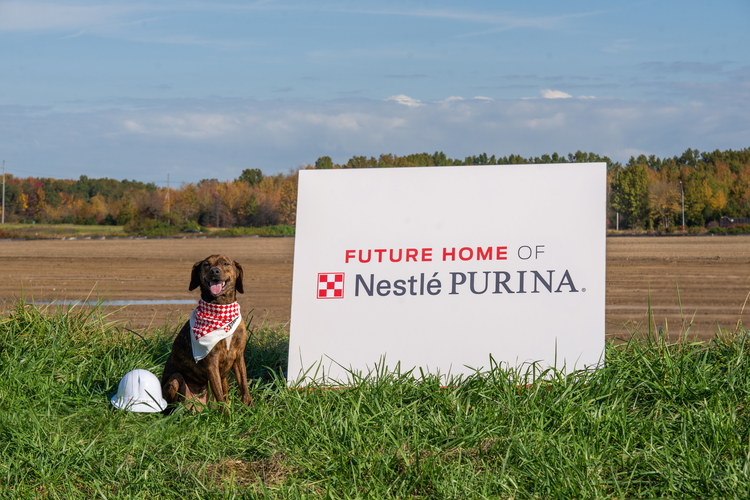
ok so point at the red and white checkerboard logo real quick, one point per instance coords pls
(330, 285)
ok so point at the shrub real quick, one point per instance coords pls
(150, 227)
(190, 225)
(277, 230)
(739, 229)
(9, 235)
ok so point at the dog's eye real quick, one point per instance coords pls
(226, 263)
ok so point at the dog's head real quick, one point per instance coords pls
(219, 278)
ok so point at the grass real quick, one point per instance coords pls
(152, 229)
(34, 231)
(658, 420)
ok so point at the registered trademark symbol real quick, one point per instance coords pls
(583, 289)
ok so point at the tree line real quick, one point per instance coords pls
(252, 200)
(645, 193)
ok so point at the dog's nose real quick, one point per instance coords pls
(215, 272)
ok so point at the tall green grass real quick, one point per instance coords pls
(657, 420)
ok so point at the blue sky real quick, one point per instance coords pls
(206, 89)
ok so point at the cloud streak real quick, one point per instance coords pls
(49, 16)
(55, 16)
(501, 21)
(684, 67)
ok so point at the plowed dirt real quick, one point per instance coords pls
(712, 275)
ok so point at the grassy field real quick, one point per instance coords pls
(658, 420)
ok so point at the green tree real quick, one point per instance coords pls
(697, 194)
(630, 196)
(252, 176)
(361, 162)
(481, 159)
(324, 162)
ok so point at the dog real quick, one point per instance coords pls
(212, 342)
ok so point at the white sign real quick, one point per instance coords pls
(443, 267)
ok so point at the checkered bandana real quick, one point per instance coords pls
(212, 317)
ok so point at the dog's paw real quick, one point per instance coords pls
(247, 400)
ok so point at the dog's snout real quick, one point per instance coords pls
(215, 272)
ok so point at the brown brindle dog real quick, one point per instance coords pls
(184, 378)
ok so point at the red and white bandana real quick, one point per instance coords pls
(211, 323)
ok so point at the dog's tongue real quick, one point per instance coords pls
(216, 287)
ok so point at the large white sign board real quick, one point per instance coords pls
(443, 267)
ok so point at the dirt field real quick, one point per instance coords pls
(140, 269)
(713, 274)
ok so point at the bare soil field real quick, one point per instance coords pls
(712, 273)
(146, 269)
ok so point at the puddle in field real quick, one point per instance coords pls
(113, 302)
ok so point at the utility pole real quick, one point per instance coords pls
(3, 221)
(618, 200)
(682, 192)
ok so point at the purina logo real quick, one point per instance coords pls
(330, 285)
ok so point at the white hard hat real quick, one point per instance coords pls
(139, 391)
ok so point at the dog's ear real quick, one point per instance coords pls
(238, 282)
(195, 276)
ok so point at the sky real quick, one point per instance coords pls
(195, 90)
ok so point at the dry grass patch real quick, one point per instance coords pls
(270, 471)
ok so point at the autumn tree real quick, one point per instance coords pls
(664, 201)
(288, 200)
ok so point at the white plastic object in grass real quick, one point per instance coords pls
(139, 391)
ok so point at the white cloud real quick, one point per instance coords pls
(188, 125)
(218, 138)
(554, 94)
(453, 98)
(482, 98)
(405, 100)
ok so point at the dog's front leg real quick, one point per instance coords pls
(214, 380)
(240, 373)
